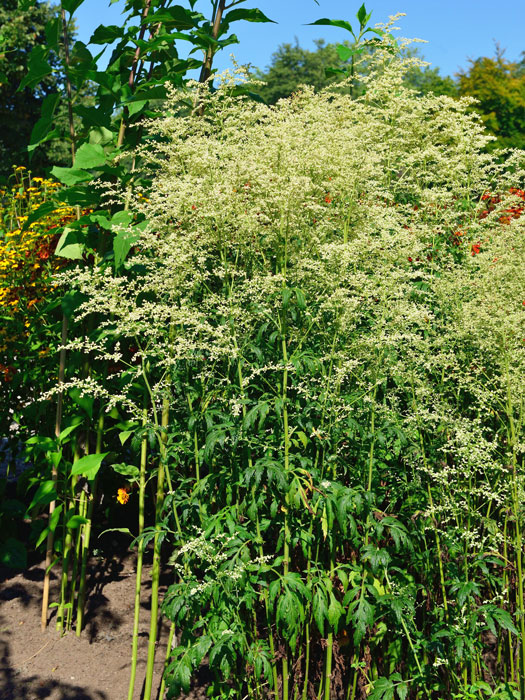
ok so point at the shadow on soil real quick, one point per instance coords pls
(13, 686)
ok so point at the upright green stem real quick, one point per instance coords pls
(54, 474)
(155, 572)
(140, 553)
(329, 645)
(86, 535)
(286, 551)
(512, 440)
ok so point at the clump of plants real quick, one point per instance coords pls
(317, 344)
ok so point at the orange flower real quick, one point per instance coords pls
(123, 495)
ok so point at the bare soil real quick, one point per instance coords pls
(36, 665)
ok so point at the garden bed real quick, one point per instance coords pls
(37, 664)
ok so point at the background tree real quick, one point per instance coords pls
(22, 29)
(499, 87)
(291, 66)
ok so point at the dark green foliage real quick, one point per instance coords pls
(499, 87)
(21, 30)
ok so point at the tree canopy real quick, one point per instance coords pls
(292, 65)
(499, 87)
(21, 29)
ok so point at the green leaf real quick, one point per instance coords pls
(38, 68)
(70, 244)
(320, 608)
(53, 522)
(126, 470)
(90, 155)
(53, 32)
(122, 244)
(43, 210)
(121, 218)
(85, 402)
(362, 16)
(70, 176)
(402, 691)
(88, 465)
(341, 23)
(71, 5)
(67, 431)
(124, 436)
(45, 493)
(75, 521)
(176, 16)
(344, 52)
(107, 34)
(335, 612)
(13, 554)
(253, 15)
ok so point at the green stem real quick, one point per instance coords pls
(140, 553)
(54, 475)
(171, 636)
(86, 535)
(155, 571)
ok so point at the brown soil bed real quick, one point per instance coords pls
(36, 665)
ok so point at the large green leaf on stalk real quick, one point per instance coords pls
(88, 465)
(176, 16)
(90, 155)
(70, 244)
(43, 126)
(70, 176)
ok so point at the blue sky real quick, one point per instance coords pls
(456, 30)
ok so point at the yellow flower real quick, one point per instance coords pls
(123, 495)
